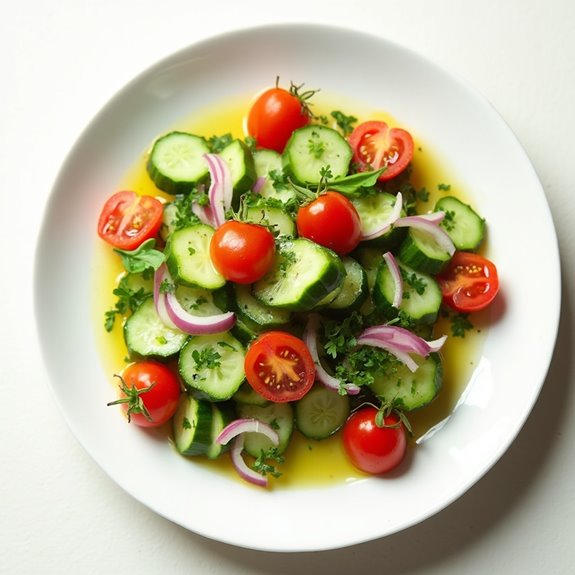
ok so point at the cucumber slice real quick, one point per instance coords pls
(248, 395)
(278, 415)
(147, 336)
(192, 426)
(222, 415)
(421, 252)
(321, 412)
(188, 257)
(212, 365)
(251, 310)
(302, 275)
(408, 390)
(313, 148)
(267, 161)
(354, 289)
(241, 163)
(463, 225)
(176, 164)
(197, 301)
(421, 295)
(373, 210)
(277, 219)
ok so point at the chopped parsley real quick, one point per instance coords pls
(207, 358)
(460, 324)
(128, 300)
(262, 465)
(344, 122)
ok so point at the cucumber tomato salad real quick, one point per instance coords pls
(289, 282)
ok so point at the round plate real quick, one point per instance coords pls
(460, 126)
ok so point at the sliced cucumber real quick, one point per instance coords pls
(222, 414)
(303, 274)
(314, 148)
(188, 257)
(421, 252)
(139, 281)
(277, 219)
(176, 164)
(252, 310)
(279, 415)
(266, 162)
(147, 336)
(463, 225)
(212, 365)
(321, 412)
(248, 395)
(354, 289)
(408, 390)
(241, 163)
(197, 301)
(192, 425)
(374, 210)
(421, 295)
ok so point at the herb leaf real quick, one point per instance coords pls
(143, 258)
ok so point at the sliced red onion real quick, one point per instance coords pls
(221, 188)
(259, 184)
(396, 276)
(243, 469)
(247, 425)
(425, 225)
(434, 217)
(204, 213)
(235, 430)
(310, 339)
(172, 314)
(387, 223)
(400, 342)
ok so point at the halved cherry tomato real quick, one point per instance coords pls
(371, 448)
(330, 220)
(127, 219)
(375, 146)
(469, 283)
(242, 252)
(149, 393)
(279, 367)
(275, 115)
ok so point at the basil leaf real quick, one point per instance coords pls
(143, 258)
(352, 184)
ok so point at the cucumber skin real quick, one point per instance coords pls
(202, 436)
(470, 242)
(411, 255)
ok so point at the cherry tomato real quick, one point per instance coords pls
(149, 393)
(469, 283)
(274, 116)
(127, 219)
(330, 220)
(371, 448)
(278, 366)
(375, 146)
(242, 252)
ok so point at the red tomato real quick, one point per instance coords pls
(242, 252)
(330, 220)
(278, 366)
(371, 448)
(150, 392)
(469, 283)
(127, 219)
(274, 116)
(375, 146)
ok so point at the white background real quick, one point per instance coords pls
(60, 62)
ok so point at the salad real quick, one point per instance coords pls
(289, 283)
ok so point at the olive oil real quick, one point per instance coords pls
(307, 462)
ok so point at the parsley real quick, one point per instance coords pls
(460, 324)
(207, 358)
(218, 143)
(423, 195)
(128, 300)
(167, 287)
(199, 302)
(180, 212)
(344, 122)
(415, 282)
(340, 336)
(143, 258)
(315, 146)
(448, 221)
(360, 365)
(287, 258)
(444, 187)
(186, 423)
(262, 465)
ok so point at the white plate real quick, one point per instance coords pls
(480, 148)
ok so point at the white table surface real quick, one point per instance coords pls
(60, 62)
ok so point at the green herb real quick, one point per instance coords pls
(186, 423)
(360, 364)
(128, 300)
(218, 143)
(353, 184)
(340, 336)
(415, 282)
(196, 304)
(167, 286)
(444, 187)
(207, 358)
(181, 212)
(423, 195)
(448, 221)
(315, 146)
(143, 258)
(344, 122)
(262, 465)
(460, 324)
(251, 143)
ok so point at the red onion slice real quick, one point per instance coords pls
(247, 425)
(160, 275)
(243, 469)
(221, 189)
(430, 227)
(259, 184)
(204, 213)
(396, 276)
(387, 223)
(310, 339)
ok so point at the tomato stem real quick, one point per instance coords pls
(133, 399)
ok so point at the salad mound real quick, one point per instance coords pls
(290, 283)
